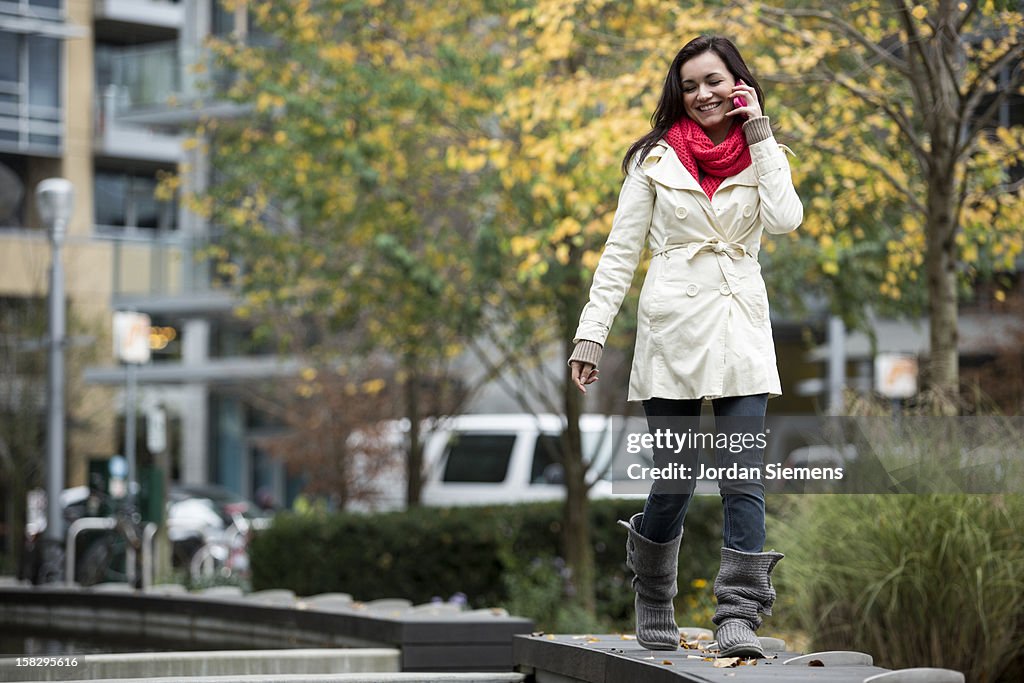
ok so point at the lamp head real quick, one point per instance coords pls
(55, 198)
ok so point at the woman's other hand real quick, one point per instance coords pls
(583, 374)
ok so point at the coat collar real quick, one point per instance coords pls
(669, 171)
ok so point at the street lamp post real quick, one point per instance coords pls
(55, 198)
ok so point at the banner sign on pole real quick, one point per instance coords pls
(131, 337)
(896, 375)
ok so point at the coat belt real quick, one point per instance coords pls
(726, 251)
(734, 250)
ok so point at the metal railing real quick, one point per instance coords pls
(110, 524)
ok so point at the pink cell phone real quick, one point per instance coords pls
(739, 101)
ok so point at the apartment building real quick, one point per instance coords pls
(100, 92)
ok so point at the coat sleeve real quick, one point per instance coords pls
(615, 269)
(781, 210)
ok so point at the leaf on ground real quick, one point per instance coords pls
(727, 662)
(815, 662)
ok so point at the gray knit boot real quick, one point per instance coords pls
(655, 566)
(744, 591)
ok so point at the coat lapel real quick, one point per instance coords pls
(747, 176)
(670, 172)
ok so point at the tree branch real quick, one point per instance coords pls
(914, 42)
(1006, 187)
(511, 359)
(827, 149)
(972, 98)
(971, 7)
(845, 27)
(983, 121)
(898, 117)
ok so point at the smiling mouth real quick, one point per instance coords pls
(708, 107)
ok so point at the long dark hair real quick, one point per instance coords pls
(670, 107)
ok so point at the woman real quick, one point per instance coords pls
(700, 187)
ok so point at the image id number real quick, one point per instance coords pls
(46, 661)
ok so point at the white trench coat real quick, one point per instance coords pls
(703, 329)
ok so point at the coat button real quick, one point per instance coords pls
(681, 212)
(748, 210)
(724, 289)
(692, 289)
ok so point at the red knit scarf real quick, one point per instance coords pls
(696, 151)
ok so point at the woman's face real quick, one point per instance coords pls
(706, 87)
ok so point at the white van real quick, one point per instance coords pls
(499, 459)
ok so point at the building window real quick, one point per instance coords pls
(13, 171)
(125, 202)
(30, 103)
(44, 9)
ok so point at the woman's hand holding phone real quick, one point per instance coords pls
(738, 102)
(741, 105)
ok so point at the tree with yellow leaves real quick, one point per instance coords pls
(343, 226)
(915, 190)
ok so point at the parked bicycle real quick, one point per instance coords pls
(106, 556)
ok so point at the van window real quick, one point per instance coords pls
(479, 458)
(545, 454)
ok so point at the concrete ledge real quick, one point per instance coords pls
(209, 663)
(603, 658)
(429, 641)
(339, 678)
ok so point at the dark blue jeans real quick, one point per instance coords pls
(742, 503)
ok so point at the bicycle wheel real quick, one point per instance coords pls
(103, 562)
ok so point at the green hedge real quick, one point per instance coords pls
(497, 556)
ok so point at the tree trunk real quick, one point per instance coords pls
(938, 58)
(941, 223)
(940, 263)
(576, 541)
(414, 459)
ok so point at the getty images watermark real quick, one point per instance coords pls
(811, 454)
(736, 443)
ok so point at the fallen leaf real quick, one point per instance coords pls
(625, 637)
(666, 662)
(727, 662)
(537, 633)
(551, 636)
(815, 662)
(703, 636)
(593, 640)
(694, 657)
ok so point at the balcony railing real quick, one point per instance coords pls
(143, 77)
(163, 265)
